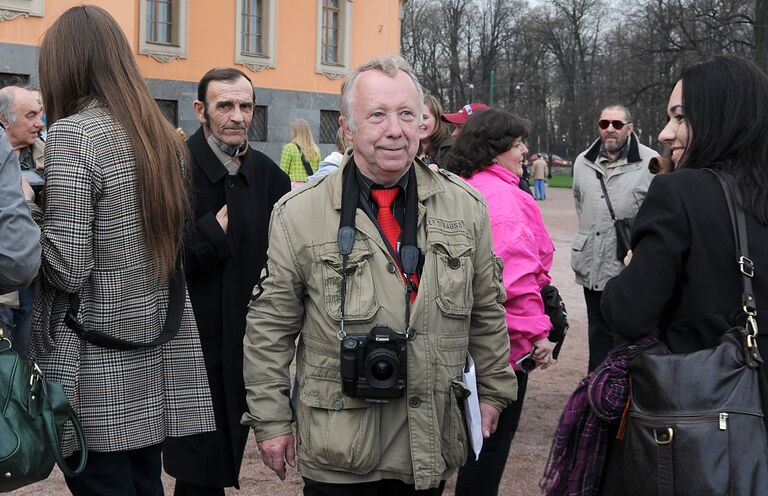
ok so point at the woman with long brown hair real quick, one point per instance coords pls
(116, 205)
(434, 138)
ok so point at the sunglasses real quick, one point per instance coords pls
(617, 125)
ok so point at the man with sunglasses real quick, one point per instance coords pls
(620, 162)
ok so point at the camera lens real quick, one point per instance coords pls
(382, 368)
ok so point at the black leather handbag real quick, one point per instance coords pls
(623, 227)
(695, 424)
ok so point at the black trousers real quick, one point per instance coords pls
(120, 473)
(386, 487)
(186, 489)
(601, 339)
(482, 477)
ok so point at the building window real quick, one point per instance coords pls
(15, 8)
(163, 29)
(252, 19)
(334, 25)
(160, 22)
(330, 45)
(329, 124)
(170, 109)
(9, 79)
(258, 130)
(255, 34)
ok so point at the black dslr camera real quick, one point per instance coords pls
(373, 366)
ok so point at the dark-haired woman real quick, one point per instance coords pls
(111, 233)
(683, 278)
(489, 154)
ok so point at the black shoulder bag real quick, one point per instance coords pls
(623, 226)
(304, 161)
(695, 422)
(177, 290)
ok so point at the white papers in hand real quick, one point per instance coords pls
(472, 408)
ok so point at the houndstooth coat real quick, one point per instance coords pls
(93, 245)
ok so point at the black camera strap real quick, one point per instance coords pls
(407, 257)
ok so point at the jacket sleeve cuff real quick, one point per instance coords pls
(264, 431)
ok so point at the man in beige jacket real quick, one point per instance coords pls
(384, 416)
(540, 172)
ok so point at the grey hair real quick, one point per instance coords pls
(618, 106)
(7, 99)
(390, 66)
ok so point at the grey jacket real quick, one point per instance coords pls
(593, 251)
(419, 438)
(19, 235)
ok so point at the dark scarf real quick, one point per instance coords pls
(577, 456)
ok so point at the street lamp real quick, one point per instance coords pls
(471, 92)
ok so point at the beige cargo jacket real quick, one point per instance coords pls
(420, 437)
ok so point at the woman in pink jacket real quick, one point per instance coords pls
(489, 154)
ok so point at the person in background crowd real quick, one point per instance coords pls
(683, 278)
(224, 251)
(489, 154)
(21, 112)
(619, 158)
(540, 174)
(332, 162)
(301, 157)
(434, 137)
(458, 119)
(20, 242)
(445, 305)
(111, 236)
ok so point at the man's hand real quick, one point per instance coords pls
(275, 452)
(29, 193)
(489, 419)
(223, 218)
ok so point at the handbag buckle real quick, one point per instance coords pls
(746, 266)
(751, 330)
(663, 437)
(36, 374)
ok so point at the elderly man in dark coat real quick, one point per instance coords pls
(235, 188)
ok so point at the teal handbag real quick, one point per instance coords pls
(33, 412)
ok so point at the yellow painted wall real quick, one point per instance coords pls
(375, 31)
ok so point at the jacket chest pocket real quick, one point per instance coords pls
(453, 268)
(360, 301)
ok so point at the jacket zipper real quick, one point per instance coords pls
(721, 418)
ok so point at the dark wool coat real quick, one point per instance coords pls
(683, 277)
(222, 269)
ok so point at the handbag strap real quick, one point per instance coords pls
(746, 265)
(605, 194)
(53, 437)
(176, 301)
(304, 161)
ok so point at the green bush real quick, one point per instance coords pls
(560, 182)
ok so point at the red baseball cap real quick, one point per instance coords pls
(463, 114)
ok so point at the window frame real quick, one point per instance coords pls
(267, 59)
(339, 69)
(164, 52)
(11, 9)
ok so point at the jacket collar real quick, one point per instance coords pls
(210, 163)
(504, 174)
(634, 150)
(426, 180)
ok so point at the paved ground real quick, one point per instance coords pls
(548, 390)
